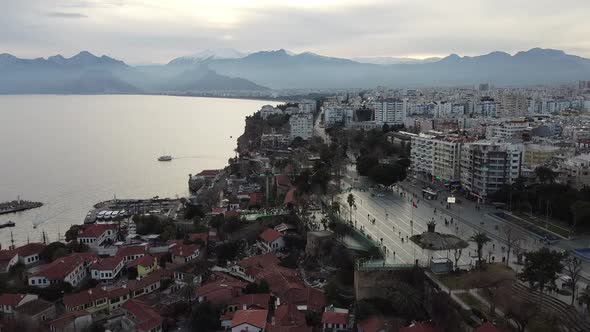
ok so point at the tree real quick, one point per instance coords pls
(580, 211)
(387, 174)
(572, 267)
(364, 163)
(228, 251)
(351, 204)
(54, 250)
(480, 239)
(521, 311)
(513, 237)
(541, 268)
(205, 318)
(545, 174)
(72, 233)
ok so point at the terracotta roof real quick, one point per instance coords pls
(487, 327)
(6, 255)
(34, 307)
(287, 314)
(209, 172)
(63, 266)
(109, 263)
(269, 235)
(255, 318)
(132, 250)
(95, 230)
(30, 249)
(314, 299)
(184, 250)
(87, 296)
(261, 261)
(65, 319)
(332, 317)
(222, 290)
(145, 261)
(249, 300)
(11, 299)
(144, 316)
(420, 327)
(271, 328)
(150, 279)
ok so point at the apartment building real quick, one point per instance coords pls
(390, 111)
(437, 156)
(536, 154)
(487, 165)
(301, 126)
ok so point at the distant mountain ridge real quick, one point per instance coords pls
(230, 70)
(85, 73)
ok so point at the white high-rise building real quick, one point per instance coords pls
(390, 111)
(487, 165)
(307, 106)
(301, 125)
(438, 157)
(336, 115)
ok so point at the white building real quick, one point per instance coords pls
(437, 156)
(335, 115)
(487, 165)
(107, 270)
(70, 269)
(390, 111)
(307, 106)
(508, 130)
(267, 110)
(301, 125)
(486, 107)
(271, 240)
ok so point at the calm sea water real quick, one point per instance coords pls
(71, 152)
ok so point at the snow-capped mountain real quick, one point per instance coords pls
(209, 54)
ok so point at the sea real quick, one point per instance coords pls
(71, 152)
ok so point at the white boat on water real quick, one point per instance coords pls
(165, 158)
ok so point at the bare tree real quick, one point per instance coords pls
(572, 267)
(457, 252)
(513, 237)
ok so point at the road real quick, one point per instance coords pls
(396, 221)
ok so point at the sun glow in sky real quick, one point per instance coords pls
(159, 30)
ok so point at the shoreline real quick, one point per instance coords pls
(279, 100)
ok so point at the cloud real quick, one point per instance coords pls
(157, 30)
(66, 15)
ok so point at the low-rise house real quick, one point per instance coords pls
(71, 322)
(96, 235)
(249, 320)
(271, 240)
(220, 290)
(147, 285)
(130, 253)
(335, 319)
(8, 258)
(106, 270)
(188, 273)
(183, 253)
(29, 254)
(9, 302)
(250, 267)
(35, 313)
(377, 323)
(144, 265)
(140, 317)
(71, 269)
(97, 299)
(244, 302)
(287, 315)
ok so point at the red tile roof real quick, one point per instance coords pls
(314, 299)
(332, 317)
(221, 290)
(287, 314)
(199, 236)
(487, 327)
(184, 250)
(420, 327)
(144, 316)
(145, 261)
(210, 173)
(87, 296)
(6, 255)
(30, 249)
(249, 300)
(105, 264)
(150, 279)
(95, 230)
(271, 328)
(269, 235)
(259, 261)
(61, 267)
(255, 318)
(11, 299)
(132, 250)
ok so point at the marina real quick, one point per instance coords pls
(17, 206)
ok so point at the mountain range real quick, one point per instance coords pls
(230, 70)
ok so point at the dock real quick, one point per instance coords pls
(17, 206)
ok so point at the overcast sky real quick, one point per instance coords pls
(144, 31)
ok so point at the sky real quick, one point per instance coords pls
(156, 31)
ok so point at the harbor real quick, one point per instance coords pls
(18, 205)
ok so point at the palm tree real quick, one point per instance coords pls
(351, 204)
(188, 292)
(480, 239)
(406, 299)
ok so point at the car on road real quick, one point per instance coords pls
(380, 195)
